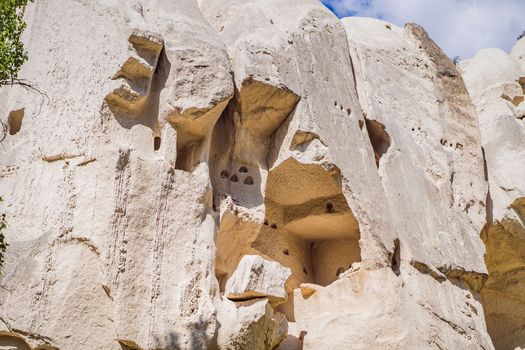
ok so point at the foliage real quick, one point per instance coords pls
(3, 244)
(12, 53)
(521, 35)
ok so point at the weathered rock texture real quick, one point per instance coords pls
(256, 278)
(257, 174)
(496, 82)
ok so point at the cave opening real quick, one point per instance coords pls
(379, 138)
(156, 143)
(15, 121)
(308, 227)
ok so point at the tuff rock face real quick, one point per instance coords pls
(233, 174)
(496, 83)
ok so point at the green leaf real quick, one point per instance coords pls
(12, 52)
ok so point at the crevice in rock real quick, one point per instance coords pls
(474, 280)
(428, 270)
(395, 260)
(489, 205)
(14, 121)
(83, 241)
(379, 138)
(107, 290)
(452, 325)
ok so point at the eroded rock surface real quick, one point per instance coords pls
(258, 174)
(257, 278)
(251, 324)
(495, 81)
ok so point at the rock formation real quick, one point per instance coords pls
(233, 174)
(258, 278)
(496, 83)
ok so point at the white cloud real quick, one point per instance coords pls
(460, 27)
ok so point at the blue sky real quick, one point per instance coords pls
(460, 27)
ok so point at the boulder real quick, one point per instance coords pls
(250, 325)
(255, 278)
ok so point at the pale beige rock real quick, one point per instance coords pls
(426, 314)
(176, 138)
(294, 338)
(124, 205)
(305, 189)
(256, 277)
(500, 109)
(518, 53)
(250, 325)
(394, 68)
(437, 138)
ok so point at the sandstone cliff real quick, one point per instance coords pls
(233, 174)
